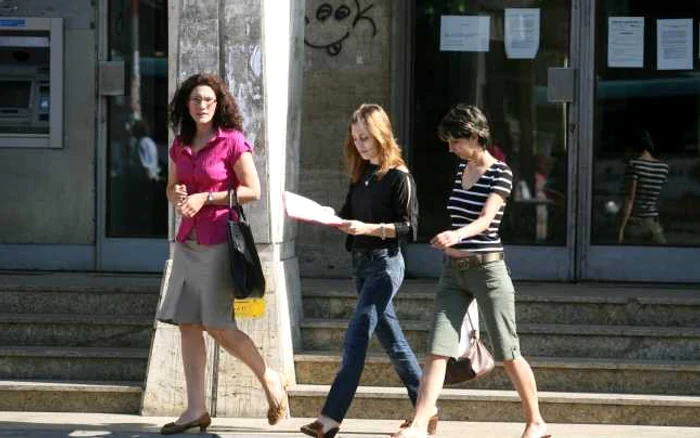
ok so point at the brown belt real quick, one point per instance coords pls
(474, 260)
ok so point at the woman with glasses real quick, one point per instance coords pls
(209, 157)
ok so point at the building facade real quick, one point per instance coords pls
(568, 86)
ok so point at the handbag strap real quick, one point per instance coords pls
(233, 198)
(475, 332)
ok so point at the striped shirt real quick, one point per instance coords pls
(464, 206)
(650, 177)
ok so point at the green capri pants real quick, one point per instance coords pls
(491, 286)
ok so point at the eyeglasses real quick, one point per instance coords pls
(197, 100)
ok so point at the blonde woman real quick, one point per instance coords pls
(379, 211)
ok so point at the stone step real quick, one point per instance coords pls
(499, 406)
(535, 303)
(553, 374)
(549, 340)
(73, 363)
(59, 396)
(84, 300)
(75, 330)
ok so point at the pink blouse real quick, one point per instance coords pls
(210, 170)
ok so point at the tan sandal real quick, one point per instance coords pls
(409, 432)
(432, 425)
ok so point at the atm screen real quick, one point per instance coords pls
(15, 94)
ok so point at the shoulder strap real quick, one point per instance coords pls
(475, 333)
(234, 204)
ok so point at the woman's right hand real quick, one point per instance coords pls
(179, 193)
(445, 239)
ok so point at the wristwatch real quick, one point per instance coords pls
(210, 198)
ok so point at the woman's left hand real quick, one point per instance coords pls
(445, 239)
(354, 228)
(192, 204)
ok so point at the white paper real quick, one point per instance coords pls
(674, 44)
(522, 32)
(304, 209)
(626, 42)
(465, 33)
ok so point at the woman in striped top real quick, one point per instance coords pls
(474, 269)
(644, 178)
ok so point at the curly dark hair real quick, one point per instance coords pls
(227, 114)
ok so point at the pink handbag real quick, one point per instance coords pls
(473, 364)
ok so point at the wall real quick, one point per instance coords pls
(48, 196)
(347, 62)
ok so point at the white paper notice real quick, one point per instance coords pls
(522, 32)
(626, 42)
(674, 44)
(465, 33)
(304, 209)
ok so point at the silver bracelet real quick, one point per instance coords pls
(383, 230)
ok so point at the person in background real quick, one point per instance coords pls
(474, 268)
(380, 210)
(209, 158)
(145, 149)
(645, 176)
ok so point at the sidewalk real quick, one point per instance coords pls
(68, 425)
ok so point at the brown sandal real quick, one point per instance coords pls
(315, 430)
(172, 428)
(432, 424)
(278, 410)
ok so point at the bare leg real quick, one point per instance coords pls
(194, 359)
(239, 345)
(431, 385)
(521, 375)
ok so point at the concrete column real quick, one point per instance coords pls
(257, 46)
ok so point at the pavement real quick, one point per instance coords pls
(69, 425)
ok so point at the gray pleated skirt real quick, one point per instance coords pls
(200, 288)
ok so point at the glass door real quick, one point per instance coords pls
(497, 55)
(133, 209)
(644, 208)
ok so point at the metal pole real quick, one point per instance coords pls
(136, 70)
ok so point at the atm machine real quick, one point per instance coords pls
(31, 78)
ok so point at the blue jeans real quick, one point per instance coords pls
(377, 275)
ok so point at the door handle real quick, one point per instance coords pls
(112, 78)
(561, 84)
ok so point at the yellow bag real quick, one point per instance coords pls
(249, 308)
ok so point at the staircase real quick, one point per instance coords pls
(600, 353)
(75, 342)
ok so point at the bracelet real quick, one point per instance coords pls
(383, 230)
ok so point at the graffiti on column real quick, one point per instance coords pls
(343, 21)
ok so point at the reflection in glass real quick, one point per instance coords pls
(645, 176)
(528, 132)
(647, 139)
(137, 130)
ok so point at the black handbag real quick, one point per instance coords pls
(473, 364)
(244, 263)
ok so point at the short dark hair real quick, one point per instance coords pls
(641, 141)
(465, 121)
